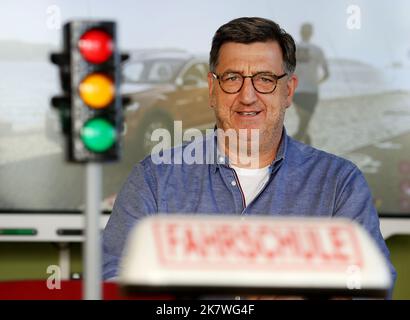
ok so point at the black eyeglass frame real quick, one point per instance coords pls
(277, 78)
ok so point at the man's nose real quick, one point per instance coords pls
(247, 95)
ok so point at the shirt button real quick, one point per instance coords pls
(221, 159)
(233, 183)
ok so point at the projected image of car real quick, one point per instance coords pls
(164, 86)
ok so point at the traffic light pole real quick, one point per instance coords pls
(92, 282)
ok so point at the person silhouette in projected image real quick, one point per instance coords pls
(311, 70)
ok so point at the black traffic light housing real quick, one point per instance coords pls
(91, 108)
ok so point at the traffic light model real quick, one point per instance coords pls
(91, 107)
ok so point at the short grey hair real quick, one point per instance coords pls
(253, 29)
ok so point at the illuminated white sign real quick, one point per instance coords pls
(216, 252)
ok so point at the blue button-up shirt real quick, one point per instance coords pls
(303, 181)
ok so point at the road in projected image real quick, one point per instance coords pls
(365, 118)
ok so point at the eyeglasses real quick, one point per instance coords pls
(263, 82)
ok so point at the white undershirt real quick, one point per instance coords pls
(251, 181)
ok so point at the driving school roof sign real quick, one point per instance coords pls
(257, 254)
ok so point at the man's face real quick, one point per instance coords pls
(232, 110)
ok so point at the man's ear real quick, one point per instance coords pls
(210, 88)
(292, 84)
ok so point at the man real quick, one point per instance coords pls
(311, 70)
(251, 84)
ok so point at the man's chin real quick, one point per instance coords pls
(248, 130)
(243, 131)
